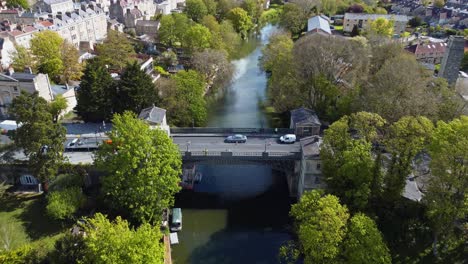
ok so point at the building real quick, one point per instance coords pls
(363, 21)
(318, 24)
(13, 83)
(129, 12)
(451, 61)
(147, 27)
(54, 6)
(148, 67)
(87, 24)
(304, 122)
(310, 171)
(67, 92)
(167, 7)
(6, 49)
(22, 35)
(428, 52)
(156, 118)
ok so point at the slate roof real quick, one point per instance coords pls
(311, 145)
(427, 48)
(318, 23)
(153, 114)
(304, 116)
(363, 16)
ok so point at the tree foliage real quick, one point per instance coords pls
(382, 27)
(135, 90)
(57, 106)
(293, 18)
(172, 29)
(446, 196)
(321, 221)
(214, 66)
(63, 204)
(183, 98)
(197, 38)
(22, 58)
(116, 50)
(17, 3)
(196, 9)
(116, 242)
(241, 21)
(364, 243)
(46, 47)
(96, 93)
(72, 69)
(39, 136)
(142, 168)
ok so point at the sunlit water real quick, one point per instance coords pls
(238, 213)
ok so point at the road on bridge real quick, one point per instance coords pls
(214, 143)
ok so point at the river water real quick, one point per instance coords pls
(238, 213)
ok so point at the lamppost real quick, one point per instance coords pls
(267, 144)
(188, 144)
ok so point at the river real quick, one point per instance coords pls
(238, 213)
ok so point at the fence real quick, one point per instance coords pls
(222, 130)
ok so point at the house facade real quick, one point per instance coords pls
(304, 122)
(363, 21)
(156, 118)
(431, 53)
(13, 83)
(318, 24)
(310, 169)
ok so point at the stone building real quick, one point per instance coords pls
(6, 50)
(310, 171)
(53, 6)
(363, 21)
(156, 118)
(13, 83)
(451, 61)
(305, 122)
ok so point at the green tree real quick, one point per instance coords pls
(211, 6)
(223, 8)
(46, 47)
(382, 27)
(116, 242)
(230, 38)
(39, 137)
(329, 7)
(241, 21)
(464, 64)
(116, 50)
(191, 88)
(364, 243)
(406, 138)
(17, 3)
(69, 249)
(447, 190)
(439, 3)
(72, 68)
(254, 9)
(135, 90)
(57, 106)
(22, 255)
(195, 9)
(142, 168)
(22, 58)
(293, 18)
(96, 94)
(415, 22)
(197, 38)
(172, 29)
(321, 221)
(13, 235)
(348, 165)
(63, 204)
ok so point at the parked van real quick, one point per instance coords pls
(176, 222)
(289, 138)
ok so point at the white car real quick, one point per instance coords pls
(288, 139)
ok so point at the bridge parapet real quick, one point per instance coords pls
(226, 131)
(203, 155)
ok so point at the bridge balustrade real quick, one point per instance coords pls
(222, 130)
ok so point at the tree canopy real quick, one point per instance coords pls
(46, 46)
(241, 21)
(116, 242)
(142, 167)
(39, 136)
(196, 9)
(116, 50)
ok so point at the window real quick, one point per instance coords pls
(73, 37)
(319, 166)
(317, 180)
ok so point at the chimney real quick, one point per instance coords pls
(28, 70)
(59, 16)
(128, 10)
(68, 14)
(83, 7)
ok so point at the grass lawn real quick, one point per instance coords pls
(23, 220)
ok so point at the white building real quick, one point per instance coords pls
(168, 6)
(22, 36)
(54, 6)
(156, 118)
(363, 21)
(87, 24)
(7, 49)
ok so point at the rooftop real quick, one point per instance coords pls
(153, 114)
(311, 145)
(304, 115)
(318, 23)
(358, 16)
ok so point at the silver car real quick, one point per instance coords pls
(236, 139)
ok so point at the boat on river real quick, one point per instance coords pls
(190, 177)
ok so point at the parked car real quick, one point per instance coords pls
(288, 139)
(236, 139)
(75, 142)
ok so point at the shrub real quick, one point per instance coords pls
(63, 204)
(64, 181)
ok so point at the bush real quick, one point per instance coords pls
(64, 181)
(22, 255)
(63, 204)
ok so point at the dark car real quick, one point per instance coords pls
(236, 139)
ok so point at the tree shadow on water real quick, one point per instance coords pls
(235, 246)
